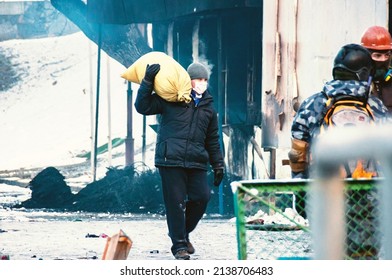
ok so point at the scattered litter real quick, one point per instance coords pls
(91, 255)
(257, 221)
(5, 257)
(102, 235)
(288, 218)
(88, 235)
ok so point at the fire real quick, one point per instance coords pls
(361, 173)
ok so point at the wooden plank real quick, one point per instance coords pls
(117, 247)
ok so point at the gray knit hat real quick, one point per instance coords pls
(198, 71)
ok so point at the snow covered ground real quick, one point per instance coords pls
(49, 236)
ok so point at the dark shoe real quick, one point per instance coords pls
(182, 255)
(190, 249)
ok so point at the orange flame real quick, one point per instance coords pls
(361, 173)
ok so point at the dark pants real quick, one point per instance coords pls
(186, 194)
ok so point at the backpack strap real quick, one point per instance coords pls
(320, 121)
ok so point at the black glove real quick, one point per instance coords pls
(151, 71)
(218, 176)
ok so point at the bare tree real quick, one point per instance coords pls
(124, 43)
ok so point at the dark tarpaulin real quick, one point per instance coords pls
(125, 11)
(136, 11)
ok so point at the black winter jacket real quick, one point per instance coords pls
(188, 134)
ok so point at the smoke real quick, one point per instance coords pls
(203, 60)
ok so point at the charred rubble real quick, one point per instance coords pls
(122, 190)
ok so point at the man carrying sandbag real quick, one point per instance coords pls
(187, 142)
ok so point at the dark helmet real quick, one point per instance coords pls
(353, 62)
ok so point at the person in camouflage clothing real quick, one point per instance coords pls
(351, 71)
(352, 74)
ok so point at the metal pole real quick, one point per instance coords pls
(109, 112)
(129, 141)
(149, 38)
(386, 208)
(220, 102)
(144, 139)
(328, 208)
(239, 206)
(97, 100)
(92, 135)
(330, 151)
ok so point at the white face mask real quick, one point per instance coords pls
(200, 86)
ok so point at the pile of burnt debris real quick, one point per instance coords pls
(122, 190)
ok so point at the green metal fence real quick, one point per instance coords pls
(272, 219)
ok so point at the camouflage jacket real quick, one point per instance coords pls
(308, 118)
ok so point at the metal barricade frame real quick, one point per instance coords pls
(252, 188)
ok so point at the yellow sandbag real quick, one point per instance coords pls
(171, 83)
